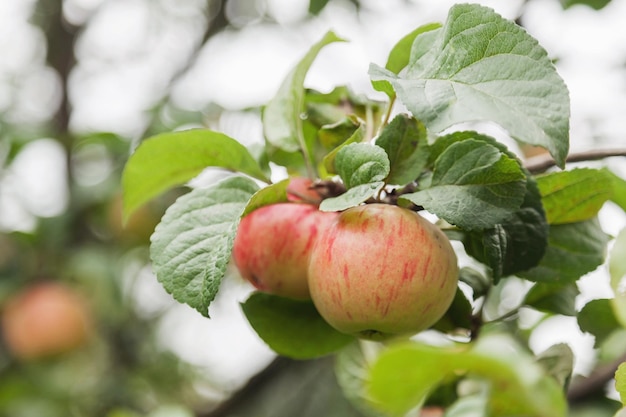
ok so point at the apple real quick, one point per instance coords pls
(273, 244)
(301, 190)
(46, 319)
(380, 271)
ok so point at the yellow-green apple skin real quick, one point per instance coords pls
(381, 271)
(273, 245)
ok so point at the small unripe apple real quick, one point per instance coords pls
(273, 245)
(380, 270)
(46, 319)
(301, 190)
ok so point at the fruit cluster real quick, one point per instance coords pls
(373, 271)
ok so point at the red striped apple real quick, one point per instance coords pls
(380, 270)
(301, 190)
(273, 245)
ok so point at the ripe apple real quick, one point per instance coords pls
(380, 270)
(46, 319)
(273, 245)
(301, 190)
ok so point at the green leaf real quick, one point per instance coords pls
(597, 318)
(333, 135)
(574, 249)
(405, 140)
(362, 167)
(474, 186)
(619, 189)
(329, 108)
(171, 159)
(316, 6)
(282, 121)
(558, 362)
(518, 243)
(351, 367)
(617, 271)
(192, 245)
(404, 375)
(620, 382)
(553, 298)
(329, 159)
(594, 4)
(353, 197)
(479, 283)
(361, 163)
(475, 405)
(399, 56)
(481, 67)
(272, 194)
(292, 328)
(458, 316)
(574, 196)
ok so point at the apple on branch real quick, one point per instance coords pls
(273, 245)
(380, 270)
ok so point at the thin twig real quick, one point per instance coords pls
(542, 163)
(583, 388)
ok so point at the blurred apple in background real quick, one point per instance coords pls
(46, 319)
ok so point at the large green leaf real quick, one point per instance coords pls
(474, 185)
(404, 140)
(282, 121)
(574, 196)
(516, 244)
(361, 163)
(619, 189)
(553, 298)
(272, 194)
(558, 362)
(477, 281)
(171, 159)
(404, 375)
(574, 249)
(617, 271)
(363, 168)
(292, 328)
(481, 67)
(399, 56)
(192, 245)
(597, 318)
(329, 160)
(351, 369)
(458, 316)
(332, 135)
(473, 405)
(353, 197)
